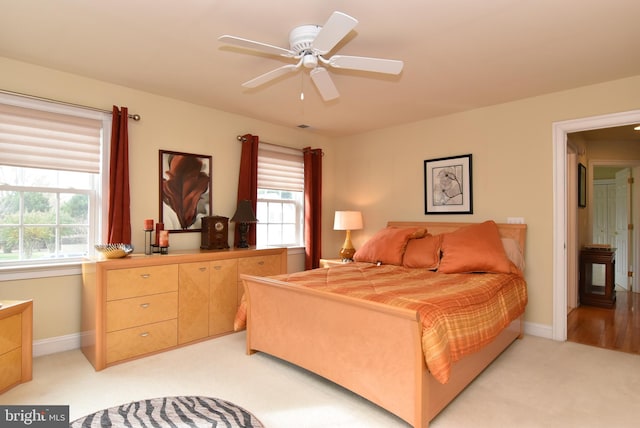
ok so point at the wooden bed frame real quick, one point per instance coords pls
(369, 348)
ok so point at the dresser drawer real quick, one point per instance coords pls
(10, 333)
(10, 368)
(141, 340)
(260, 266)
(143, 310)
(125, 283)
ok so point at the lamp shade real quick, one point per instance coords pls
(244, 213)
(347, 220)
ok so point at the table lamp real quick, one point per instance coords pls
(347, 220)
(243, 217)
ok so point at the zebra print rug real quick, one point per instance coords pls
(172, 412)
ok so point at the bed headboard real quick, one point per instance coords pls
(513, 231)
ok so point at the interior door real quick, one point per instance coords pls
(600, 206)
(623, 205)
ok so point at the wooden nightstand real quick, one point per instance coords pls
(331, 262)
(597, 277)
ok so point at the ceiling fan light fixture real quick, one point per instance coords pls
(310, 61)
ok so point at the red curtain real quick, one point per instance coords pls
(119, 221)
(248, 180)
(312, 206)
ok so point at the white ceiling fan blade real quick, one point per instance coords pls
(377, 65)
(337, 26)
(323, 82)
(263, 47)
(267, 77)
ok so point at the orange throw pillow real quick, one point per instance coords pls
(423, 253)
(387, 245)
(475, 248)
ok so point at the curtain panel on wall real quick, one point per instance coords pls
(312, 206)
(248, 180)
(119, 221)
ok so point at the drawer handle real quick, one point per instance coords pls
(145, 334)
(145, 305)
(146, 275)
(217, 267)
(202, 269)
(261, 263)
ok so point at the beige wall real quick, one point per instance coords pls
(580, 146)
(380, 172)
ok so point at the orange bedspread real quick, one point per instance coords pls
(460, 313)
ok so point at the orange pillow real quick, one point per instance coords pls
(387, 245)
(475, 248)
(423, 252)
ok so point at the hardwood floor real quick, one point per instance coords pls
(617, 328)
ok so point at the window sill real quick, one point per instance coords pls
(40, 271)
(290, 250)
(295, 250)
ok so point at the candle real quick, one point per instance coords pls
(148, 224)
(164, 238)
(159, 227)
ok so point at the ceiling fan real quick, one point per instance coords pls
(308, 45)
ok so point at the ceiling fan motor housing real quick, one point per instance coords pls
(301, 38)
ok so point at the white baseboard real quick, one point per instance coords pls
(72, 341)
(53, 345)
(540, 330)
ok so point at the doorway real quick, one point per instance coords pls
(562, 211)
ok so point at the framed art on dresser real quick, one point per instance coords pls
(185, 190)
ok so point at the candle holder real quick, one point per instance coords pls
(147, 241)
(157, 249)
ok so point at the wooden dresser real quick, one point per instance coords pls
(140, 304)
(16, 343)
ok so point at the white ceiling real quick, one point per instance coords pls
(458, 54)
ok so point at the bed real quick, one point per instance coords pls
(378, 350)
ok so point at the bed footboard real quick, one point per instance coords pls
(371, 349)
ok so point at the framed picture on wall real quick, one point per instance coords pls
(185, 190)
(447, 185)
(582, 186)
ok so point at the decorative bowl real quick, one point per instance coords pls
(114, 251)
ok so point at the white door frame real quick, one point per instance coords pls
(560, 131)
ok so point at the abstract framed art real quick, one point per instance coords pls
(185, 190)
(448, 185)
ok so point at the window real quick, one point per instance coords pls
(280, 207)
(50, 181)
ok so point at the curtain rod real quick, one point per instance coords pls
(135, 117)
(243, 139)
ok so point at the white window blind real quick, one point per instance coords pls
(280, 168)
(50, 140)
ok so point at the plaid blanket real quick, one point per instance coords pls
(460, 313)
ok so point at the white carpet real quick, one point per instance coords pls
(535, 383)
